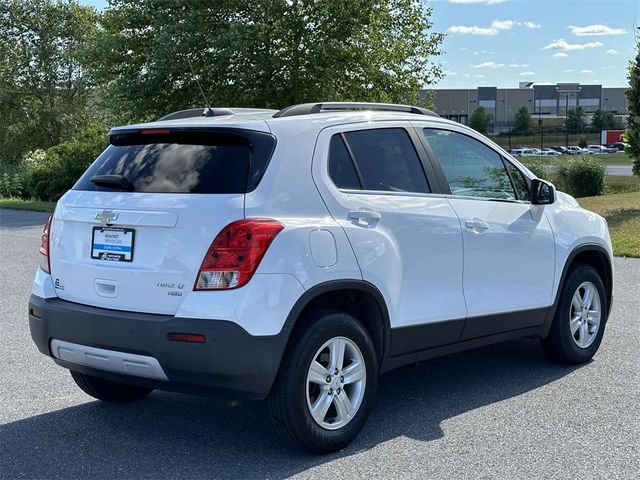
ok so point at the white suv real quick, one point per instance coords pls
(296, 255)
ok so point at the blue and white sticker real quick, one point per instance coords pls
(112, 244)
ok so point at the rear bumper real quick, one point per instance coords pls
(230, 360)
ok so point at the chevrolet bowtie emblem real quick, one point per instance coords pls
(106, 217)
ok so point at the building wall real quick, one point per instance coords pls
(542, 101)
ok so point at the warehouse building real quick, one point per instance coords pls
(544, 102)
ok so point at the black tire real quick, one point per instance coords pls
(559, 344)
(288, 399)
(108, 391)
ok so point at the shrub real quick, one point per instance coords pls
(10, 185)
(52, 174)
(582, 177)
(536, 167)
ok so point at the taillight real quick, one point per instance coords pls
(43, 261)
(235, 253)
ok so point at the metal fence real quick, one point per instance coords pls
(542, 137)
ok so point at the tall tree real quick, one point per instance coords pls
(575, 119)
(633, 97)
(522, 121)
(480, 120)
(263, 53)
(44, 91)
(602, 120)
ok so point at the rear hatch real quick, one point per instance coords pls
(133, 231)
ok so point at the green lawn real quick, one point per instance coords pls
(622, 212)
(18, 204)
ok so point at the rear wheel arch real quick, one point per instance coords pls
(358, 298)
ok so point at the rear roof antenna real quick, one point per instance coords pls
(208, 112)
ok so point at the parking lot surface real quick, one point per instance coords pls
(497, 412)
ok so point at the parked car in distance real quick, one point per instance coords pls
(618, 146)
(599, 149)
(561, 149)
(295, 255)
(550, 152)
(575, 150)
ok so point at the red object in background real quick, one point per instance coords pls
(611, 136)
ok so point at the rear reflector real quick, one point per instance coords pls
(187, 337)
(235, 253)
(43, 259)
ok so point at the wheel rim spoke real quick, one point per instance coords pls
(318, 374)
(574, 324)
(343, 405)
(587, 298)
(576, 301)
(353, 373)
(321, 406)
(336, 352)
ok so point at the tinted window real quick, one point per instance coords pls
(471, 168)
(519, 182)
(341, 169)
(182, 162)
(387, 160)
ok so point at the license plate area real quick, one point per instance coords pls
(112, 244)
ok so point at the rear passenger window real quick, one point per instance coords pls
(386, 160)
(341, 169)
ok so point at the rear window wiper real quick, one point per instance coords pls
(112, 181)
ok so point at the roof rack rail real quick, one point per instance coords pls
(309, 108)
(211, 112)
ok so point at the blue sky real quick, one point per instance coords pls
(503, 42)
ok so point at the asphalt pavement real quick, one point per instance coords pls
(498, 412)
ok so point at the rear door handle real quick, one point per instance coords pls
(477, 225)
(364, 216)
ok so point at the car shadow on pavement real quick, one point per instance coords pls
(170, 435)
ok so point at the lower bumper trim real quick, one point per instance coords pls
(109, 360)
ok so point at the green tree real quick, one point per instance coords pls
(480, 120)
(44, 92)
(575, 119)
(633, 97)
(602, 120)
(522, 121)
(262, 53)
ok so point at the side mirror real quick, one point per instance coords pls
(542, 193)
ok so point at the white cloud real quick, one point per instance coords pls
(494, 29)
(585, 71)
(567, 70)
(592, 30)
(563, 45)
(528, 73)
(464, 30)
(466, 75)
(488, 65)
(449, 73)
(560, 55)
(613, 51)
(519, 65)
(486, 2)
(503, 24)
(478, 76)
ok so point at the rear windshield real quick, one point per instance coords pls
(182, 162)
